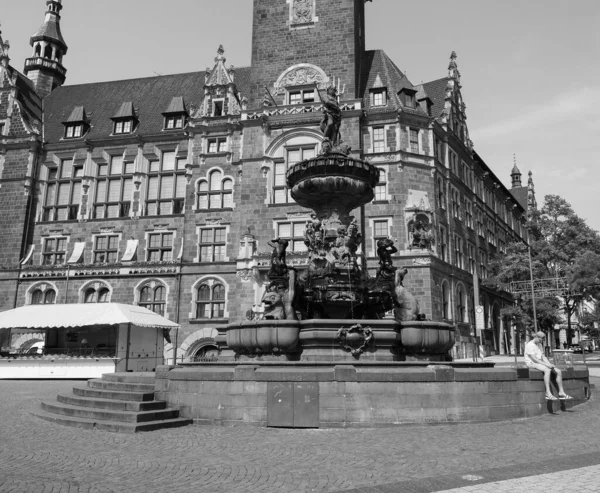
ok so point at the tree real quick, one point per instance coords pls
(562, 246)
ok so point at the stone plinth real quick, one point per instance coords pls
(360, 394)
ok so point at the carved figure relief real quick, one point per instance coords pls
(302, 11)
(301, 75)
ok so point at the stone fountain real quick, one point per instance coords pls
(334, 310)
(326, 352)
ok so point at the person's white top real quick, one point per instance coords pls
(532, 348)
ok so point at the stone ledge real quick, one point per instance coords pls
(484, 374)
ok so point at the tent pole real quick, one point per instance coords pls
(127, 347)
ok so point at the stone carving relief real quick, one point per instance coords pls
(301, 75)
(302, 13)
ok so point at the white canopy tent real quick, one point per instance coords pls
(80, 315)
(86, 340)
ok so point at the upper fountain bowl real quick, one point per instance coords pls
(332, 178)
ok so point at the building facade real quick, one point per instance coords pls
(164, 191)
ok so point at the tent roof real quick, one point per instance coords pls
(81, 315)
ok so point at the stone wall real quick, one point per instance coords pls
(363, 396)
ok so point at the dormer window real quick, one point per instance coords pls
(73, 131)
(301, 96)
(125, 119)
(407, 96)
(77, 123)
(123, 127)
(176, 114)
(218, 107)
(174, 121)
(378, 97)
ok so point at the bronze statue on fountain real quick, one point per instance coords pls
(306, 312)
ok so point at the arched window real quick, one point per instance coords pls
(47, 297)
(446, 301)
(210, 301)
(460, 304)
(153, 298)
(93, 295)
(216, 192)
(38, 50)
(381, 188)
(48, 52)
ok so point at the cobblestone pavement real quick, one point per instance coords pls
(37, 456)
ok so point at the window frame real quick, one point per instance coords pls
(161, 248)
(381, 188)
(294, 240)
(414, 145)
(302, 91)
(280, 169)
(119, 127)
(379, 91)
(225, 194)
(74, 130)
(174, 205)
(56, 256)
(108, 250)
(104, 174)
(154, 303)
(211, 302)
(379, 144)
(221, 144)
(55, 178)
(213, 244)
(175, 121)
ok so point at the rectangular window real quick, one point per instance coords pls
(213, 242)
(114, 189)
(378, 97)
(106, 249)
(217, 145)
(301, 96)
(469, 214)
(378, 139)
(55, 250)
(281, 194)
(458, 252)
(414, 141)
(174, 121)
(63, 192)
(443, 244)
(483, 273)
(73, 131)
(293, 231)
(381, 188)
(380, 230)
(160, 247)
(471, 259)
(165, 194)
(123, 127)
(217, 108)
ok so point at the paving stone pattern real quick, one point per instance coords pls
(37, 456)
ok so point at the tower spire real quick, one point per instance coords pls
(4, 47)
(515, 174)
(45, 67)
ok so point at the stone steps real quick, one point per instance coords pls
(114, 394)
(115, 405)
(112, 426)
(121, 402)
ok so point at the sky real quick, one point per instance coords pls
(530, 68)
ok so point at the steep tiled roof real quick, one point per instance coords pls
(150, 97)
(379, 67)
(31, 103)
(436, 90)
(520, 194)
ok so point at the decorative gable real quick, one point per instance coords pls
(221, 97)
(454, 114)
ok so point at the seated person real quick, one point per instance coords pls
(535, 358)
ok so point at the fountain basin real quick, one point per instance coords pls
(426, 339)
(263, 337)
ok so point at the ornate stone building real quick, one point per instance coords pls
(164, 191)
